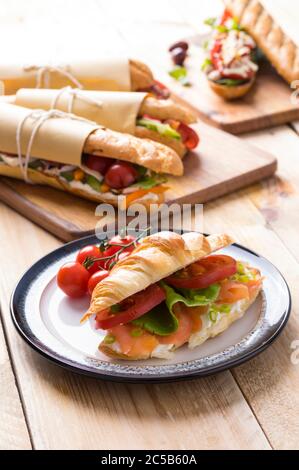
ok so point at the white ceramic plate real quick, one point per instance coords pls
(50, 323)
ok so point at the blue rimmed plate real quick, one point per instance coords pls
(50, 323)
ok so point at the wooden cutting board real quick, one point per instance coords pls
(221, 164)
(267, 104)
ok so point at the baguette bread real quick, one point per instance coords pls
(153, 155)
(141, 75)
(157, 109)
(231, 92)
(166, 109)
(278, 47)
(157, 257)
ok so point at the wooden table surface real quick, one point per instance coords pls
(254, 406)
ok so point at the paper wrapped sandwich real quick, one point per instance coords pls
(79, 156)
(274, 26)
(171, 291)
(114, 74)
(139, 114)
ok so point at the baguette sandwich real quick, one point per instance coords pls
(83, 158)
(140, 114)
(114, 74)
(171, 291)
(274, 26)
(230, 63)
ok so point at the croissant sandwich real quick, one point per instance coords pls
(140, 114)
(171, 291)
(78, 156)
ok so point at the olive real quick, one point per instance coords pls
(178, 56)
(181, 45)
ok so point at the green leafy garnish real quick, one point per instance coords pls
(180, 74)
(164, 129)
(141, 170)
(230, 82)
(202, 296)
(109, 339)
(94, 183)
(162, 321)
(149, 182)
(115, 308)
(222, 28)
(218, 309)
(159, 321)
(206, 63)
(235, 24)
(67, 175)
(34, 164)
(210, 21)
(136, 332)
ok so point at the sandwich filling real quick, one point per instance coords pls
(99, 175)
(172, 129)
(231, 53)
(195, 303)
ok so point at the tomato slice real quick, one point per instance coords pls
(204, 272)
(189, 136)
(225, 16)
(132, 308)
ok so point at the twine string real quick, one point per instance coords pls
(43, 75)
(40, 116)
(72, 94)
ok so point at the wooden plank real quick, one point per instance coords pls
(210, 413)
(13, 429)
(270, 382)
(278, 198)
(221, 164)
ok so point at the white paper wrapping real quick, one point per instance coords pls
(111, 74)
(58, 139)
(115, 110)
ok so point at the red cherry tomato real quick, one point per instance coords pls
(73, 278)
(132, 308)
(100, 164)
(95, 279)
(204, 272)
(189, 136)
(161, 90)
(113, 249)
(215, 55)
(120, 175)
(90, 251)
(225, 16)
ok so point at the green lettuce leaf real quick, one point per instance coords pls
(149, 182)
(231, 81)
(159, 321)
(180, 74)
(94, 183)
(162, 321)
(67, 175)
(164, 129)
